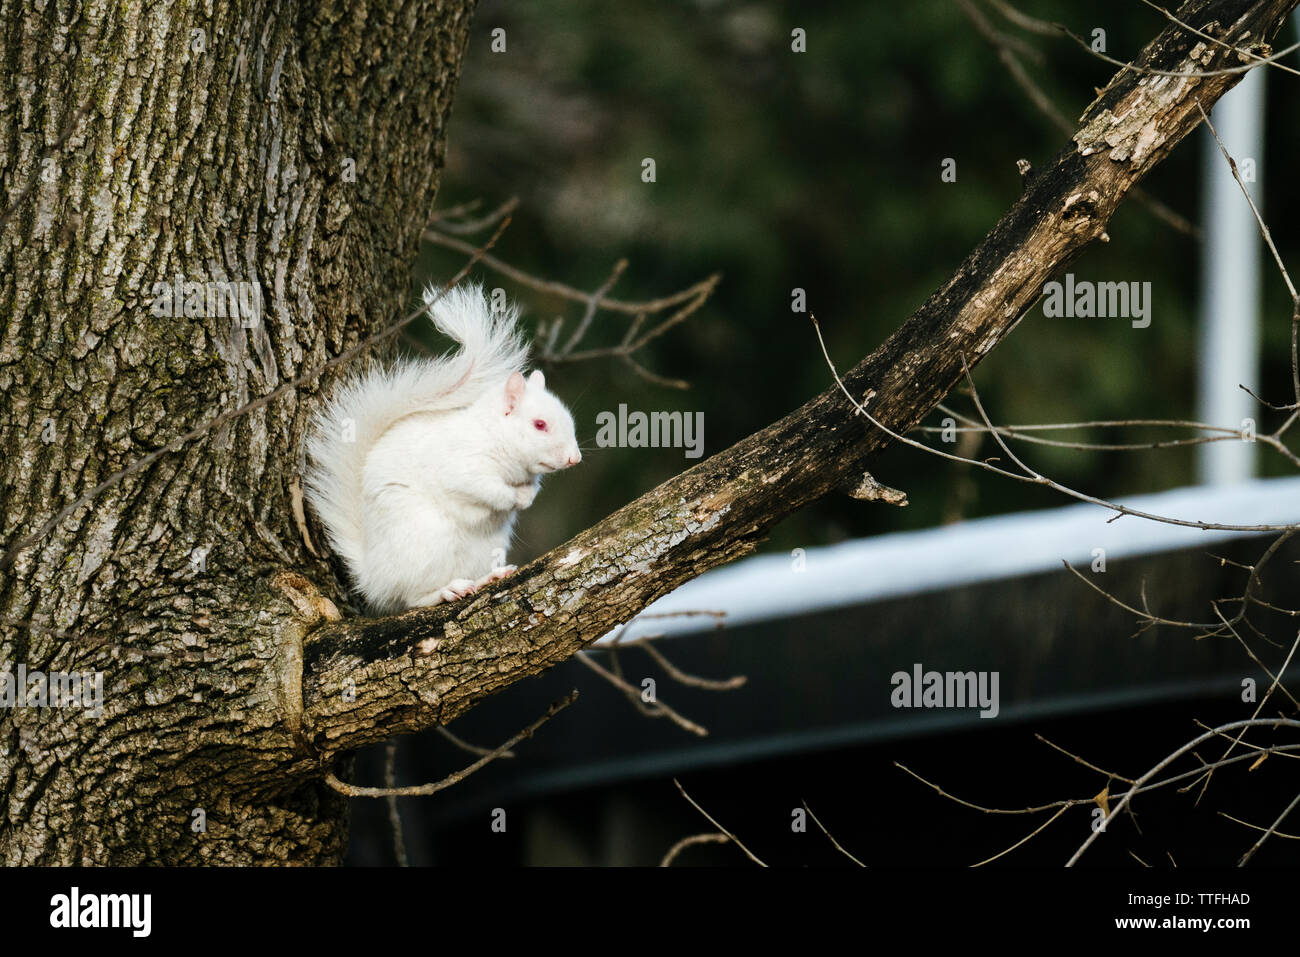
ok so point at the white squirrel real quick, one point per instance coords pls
(417, 470)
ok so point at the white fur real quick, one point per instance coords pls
(422, 504)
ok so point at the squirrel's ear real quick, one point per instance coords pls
(514, 391)
(537, 380)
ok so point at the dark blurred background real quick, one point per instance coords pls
(818, 170)
(821, 170)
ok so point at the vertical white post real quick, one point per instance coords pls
(1230, 281)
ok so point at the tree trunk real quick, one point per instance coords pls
(225, 687)
(210, 143)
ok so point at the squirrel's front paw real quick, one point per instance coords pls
(525, 494)
(497, 574)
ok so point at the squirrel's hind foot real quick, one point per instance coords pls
(459, 588)
(454, 589)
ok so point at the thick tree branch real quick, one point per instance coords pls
(428, 666)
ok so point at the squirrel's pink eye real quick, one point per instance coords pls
(539, 425)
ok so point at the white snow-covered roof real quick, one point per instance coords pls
(766, 587)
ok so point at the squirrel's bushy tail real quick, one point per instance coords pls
(364, 407)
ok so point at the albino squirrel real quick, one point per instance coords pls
(417, 470)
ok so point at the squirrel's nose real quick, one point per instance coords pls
(574, 459)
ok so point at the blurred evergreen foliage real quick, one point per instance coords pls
(821, 170)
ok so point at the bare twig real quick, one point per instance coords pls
(691, 841)
(691, 681)
(1086, 764)
(1019, 432)
(1258, 708)
(989, 810)
(424, 790)
(1267, 235)
(1024, 840)
(1151, 71)
(1047, 28)
(1028, 475)
(1245, 858)
(446, 219)
(1259, 827)
(831, 837)
(1139, 786)
(1006, 48)
(593, 303)
(568, 292)
(1165, 762)
(646, 643)
(1144, 614)
(394, 815)
(686, 303)
(1024, 20)
(471, 748)
(1213, 39)
(655, 709)
(735, 840)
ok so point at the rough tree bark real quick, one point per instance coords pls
(225, 689)
(217, 144)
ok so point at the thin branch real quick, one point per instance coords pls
(551, 287)
(791, 463)
(1276, 679)
(653, 377)
(445, 218)
(1165, 762)
(1048, 29)
(1245, 858)
(689, 300)
(1259, 59)
(831, 837)
(1139, 786)
(1144, 614)
(691, 841)
(1030, 476)
(1279, 749)
(735, 840)
(471, 748)
(656, 709)
(1028, 837)
(1227, 46)
(1003, 46)
(1267, 235)
(455, 212)
(1025, 21)
(1259, 827)
(593, 303)
(1018, 432)
(394, 815)
(987, 810)
(681, 677)
(424, 790)
(1258, 708)
(1086, 764)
